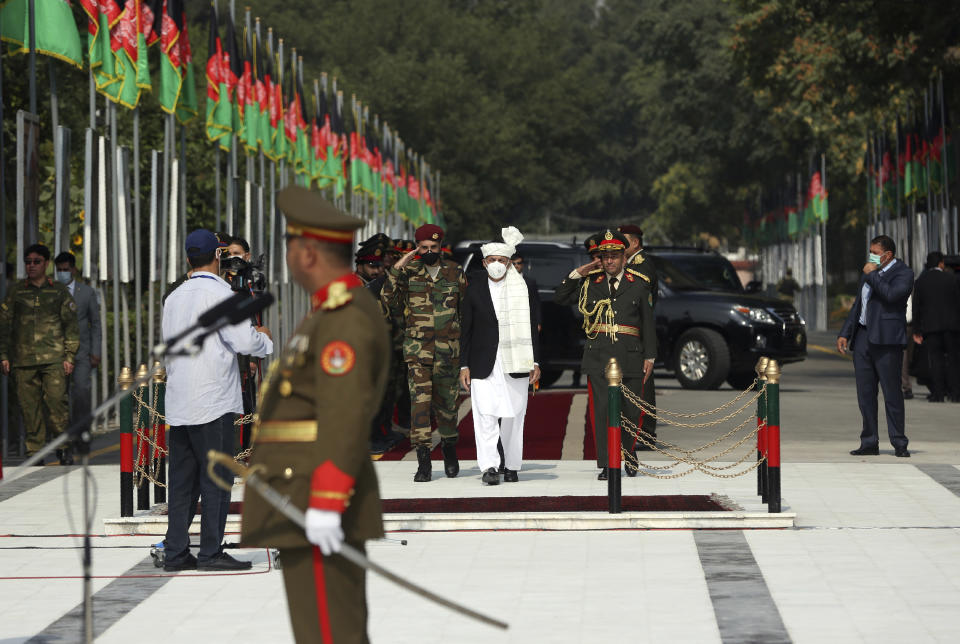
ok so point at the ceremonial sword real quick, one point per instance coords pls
(282, 503)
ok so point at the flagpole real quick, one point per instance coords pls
(137, 279)
(114, 251)
(261, 238)
(155, 243)
(248, 160)
(4, 428)
(946, 172)
(32, 72)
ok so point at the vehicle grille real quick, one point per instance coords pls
(787, 314)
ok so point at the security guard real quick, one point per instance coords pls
(38, 343)
(618, 320)
(311, 440)
(637, 260)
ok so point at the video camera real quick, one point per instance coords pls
(242, 275)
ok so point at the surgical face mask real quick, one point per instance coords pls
(430, 258)
(873, 259)
(64, 277)
(496, 270)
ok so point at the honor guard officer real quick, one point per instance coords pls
(429, 292)
(369, 259)
(618, 321)
(637, 260)
(311, 440)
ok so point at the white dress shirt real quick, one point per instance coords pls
(205, 386)
(865, 295)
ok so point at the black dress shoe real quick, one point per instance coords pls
(935, 399)
(424, 468)
(190, 563)
(223, 561)
(451, 466)
(902, 453)
(908, 395)
(866, 451)
(491, 476)
(65, 455)
(510, 476)
(604, 474)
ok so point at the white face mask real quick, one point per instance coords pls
(496, 270)
(64, 277)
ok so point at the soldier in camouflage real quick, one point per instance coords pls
(38, 343)
(430, 291)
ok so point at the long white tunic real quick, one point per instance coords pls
(498, 394)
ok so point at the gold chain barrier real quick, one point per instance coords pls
(693, 459)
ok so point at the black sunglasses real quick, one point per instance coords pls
(33, 261)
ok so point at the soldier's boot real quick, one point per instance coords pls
(451, 466)
(424, 469)
(65, 455)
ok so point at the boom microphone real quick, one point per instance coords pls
(212, 315)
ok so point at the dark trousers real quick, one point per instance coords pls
(326, 596)
(879, 364)
(943, 351)
(188, 482)
(601, 398)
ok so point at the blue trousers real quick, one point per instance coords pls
(188, 482)
(879, 364)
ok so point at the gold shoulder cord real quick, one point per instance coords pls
(602, 310)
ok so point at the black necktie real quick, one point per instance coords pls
(613, 286)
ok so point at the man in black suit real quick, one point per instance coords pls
(876, 330)
(936, 323)
(499, 354)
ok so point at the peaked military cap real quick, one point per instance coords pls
(310, 215)
(611, 241)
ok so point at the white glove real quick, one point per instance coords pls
(324, 531)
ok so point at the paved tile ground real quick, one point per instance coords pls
(875, 556)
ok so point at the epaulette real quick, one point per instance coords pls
(337, 296)
(639, 274)
(637, 259)
(594, 271)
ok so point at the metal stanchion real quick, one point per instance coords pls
(761, 369)
(160, 432)
(614, 378)
(125, 383)
(144, 452)
(773, 436)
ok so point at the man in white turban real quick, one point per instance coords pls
(500, 349)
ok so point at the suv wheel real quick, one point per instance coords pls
(702, 359)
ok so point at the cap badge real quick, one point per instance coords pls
(608, 235)
(435, 236)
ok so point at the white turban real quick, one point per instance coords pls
(507, 248)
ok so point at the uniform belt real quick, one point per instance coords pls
(287, 431)
(625, 329)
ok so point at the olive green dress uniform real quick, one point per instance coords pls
(311, 440)
(635, 341)
(431, 343)
(38, 333)
(645, 267)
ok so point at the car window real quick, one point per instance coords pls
(668, 273)
(711, 271)
(549, 268)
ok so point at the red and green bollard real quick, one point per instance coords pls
(772, 440)
(761, 369)
(125, 383)
(614, 378)
(144, 452)
(160, 432)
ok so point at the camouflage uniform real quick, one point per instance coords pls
(38, 333)
(431, 343)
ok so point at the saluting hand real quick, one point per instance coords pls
(586, 268)
(403, 261)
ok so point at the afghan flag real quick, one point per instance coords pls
(171, 56)
(101, 15)
(290, 118)
(234, 75)
(272, 115)
(817, 195)
(278, 118)
(260, 107)
(219, 113)
(302, 156)
(187, 106)
(57, 34)
(251, 109)
(125, 43)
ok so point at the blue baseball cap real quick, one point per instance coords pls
(200, 242)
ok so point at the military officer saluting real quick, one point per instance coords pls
(618, 320)
(637, 260)
(311, 439)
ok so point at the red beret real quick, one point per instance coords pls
(632, 229)
(428, 231)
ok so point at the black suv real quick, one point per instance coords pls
(709, 330)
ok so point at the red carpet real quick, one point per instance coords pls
(665, 503)
(544, 429)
